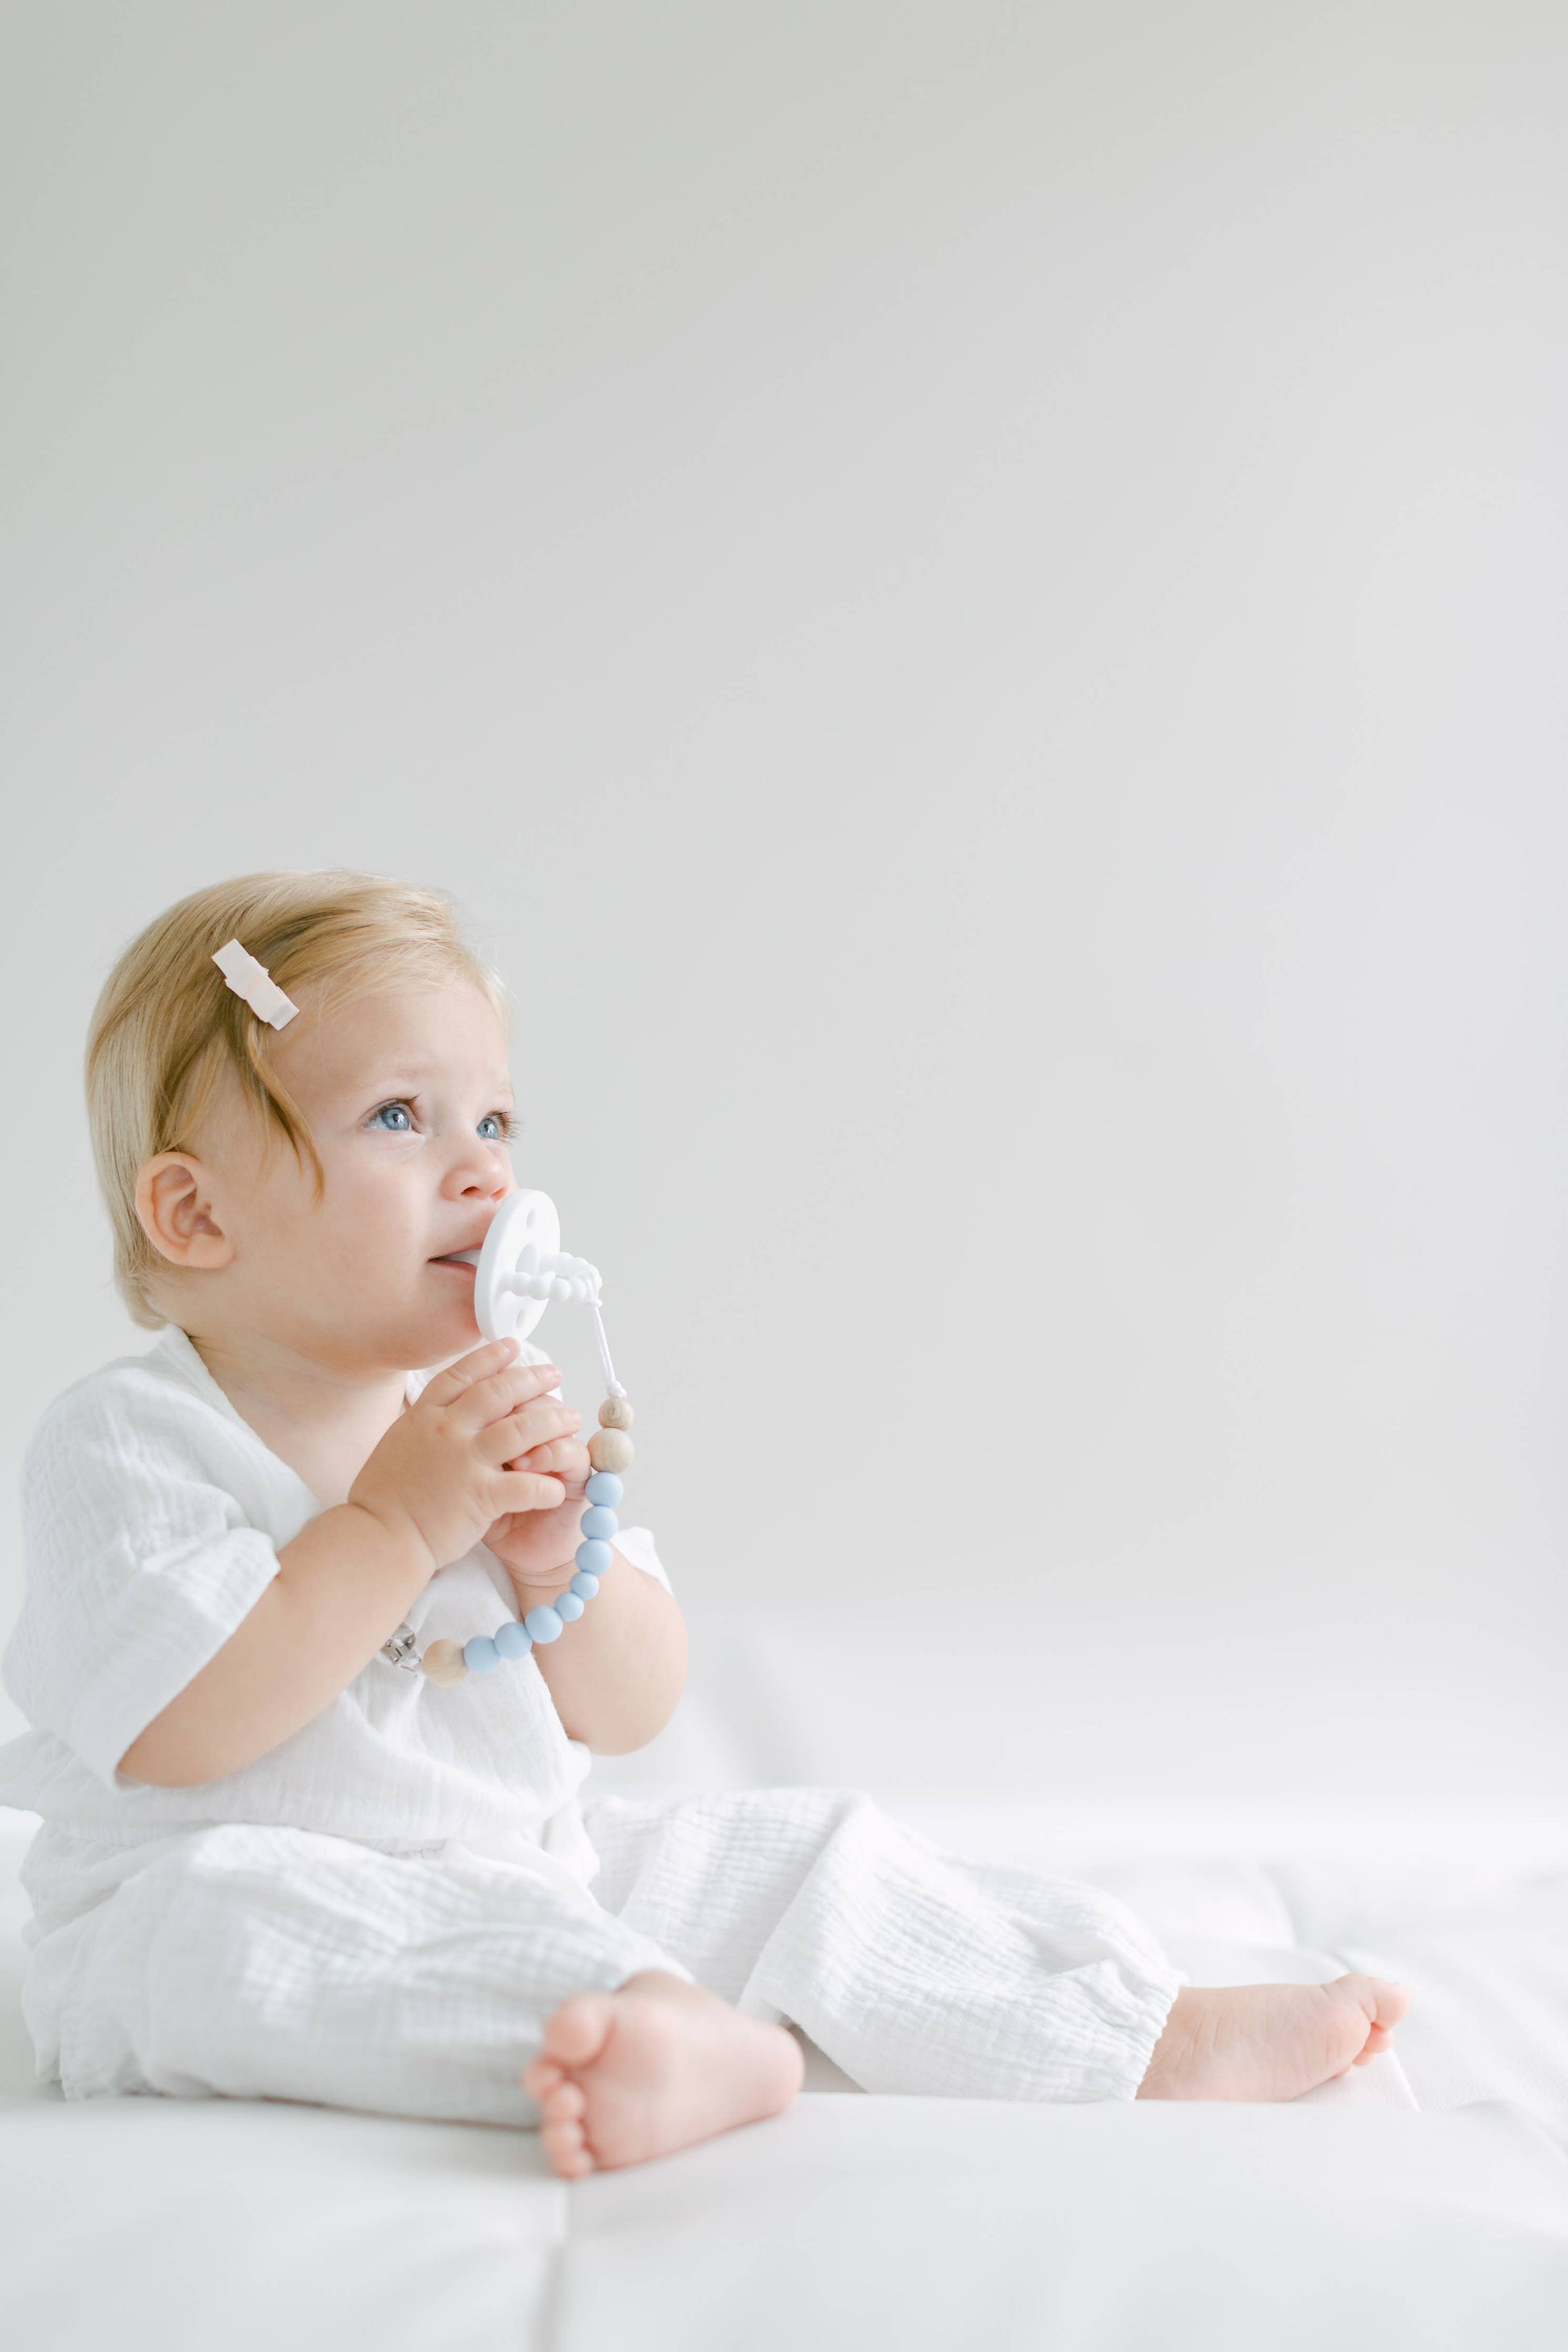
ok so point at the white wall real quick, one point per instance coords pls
(973, 600)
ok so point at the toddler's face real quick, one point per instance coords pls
(408, 1103)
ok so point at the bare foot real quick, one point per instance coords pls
(650, 2068)
(1270, 2041)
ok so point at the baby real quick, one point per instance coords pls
(279, 1861)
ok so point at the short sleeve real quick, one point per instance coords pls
(140, 1565)
(636, 1544)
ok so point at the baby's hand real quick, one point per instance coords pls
(536, 1546)
(439, 1474)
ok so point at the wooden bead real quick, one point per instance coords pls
(611, 1449)
(444, 1661)
(616, 1412)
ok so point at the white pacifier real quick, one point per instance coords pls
(523, 1268)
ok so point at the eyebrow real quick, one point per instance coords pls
(410, 1072)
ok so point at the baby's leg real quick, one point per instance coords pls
(251, 1962)
(918, 1971)
(914, 1970)
(652, 2067)
(1271, 2040)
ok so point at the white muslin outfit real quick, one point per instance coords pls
(384, 1910)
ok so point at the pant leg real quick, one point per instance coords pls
(271, 1963)
(914, 1970)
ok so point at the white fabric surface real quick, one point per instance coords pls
(156, 2225)
(928, 2223)
(1100, 2229)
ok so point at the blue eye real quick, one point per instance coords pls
(394, 1111)
(497, 1121)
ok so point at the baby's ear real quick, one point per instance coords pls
(175, 1210)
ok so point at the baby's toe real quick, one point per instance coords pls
(579, 2029)
(1379, 2040)
(565, 2146)
(1393, 2000)
(566, 2104)
(541, 2076)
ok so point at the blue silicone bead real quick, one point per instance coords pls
(543, 1622)
(513, 1640)
(604, 1486)
(583, 1585)
(594, 1558)
(480, 1656)
(598, 1522)
(568, 1605)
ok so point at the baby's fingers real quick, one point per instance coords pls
(562, 1454)
(480, 1364)
(523, 1432)
(526, 1490)
(497, 1396)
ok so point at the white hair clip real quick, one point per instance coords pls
(254, 982)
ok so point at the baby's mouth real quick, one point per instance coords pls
(467, 1259)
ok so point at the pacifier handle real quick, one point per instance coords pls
(523, 1268)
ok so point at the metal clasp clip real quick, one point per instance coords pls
(398, 1649)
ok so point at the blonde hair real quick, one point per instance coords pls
(167, 1029)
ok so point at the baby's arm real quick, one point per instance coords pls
(427, 1493)
(617, 1675)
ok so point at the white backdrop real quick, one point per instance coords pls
(972, 601)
